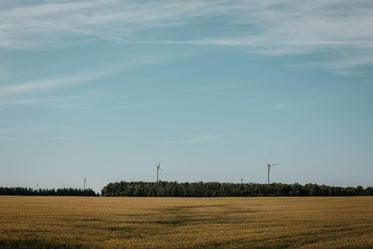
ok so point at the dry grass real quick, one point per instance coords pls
(98, 222)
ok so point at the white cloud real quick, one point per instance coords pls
(71, 107)
(70, 79)
(63, 102)
(213, 87)
(29, 101)
(340, 27)
(206, 138)
(25, 101)
(279, 106)
(38, 25)
(51, 83)
(59, 138)
(7, 131)
(2, 122)
(194, 140)
(167, 141)
(296, 104)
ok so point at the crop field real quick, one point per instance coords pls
(272, 222)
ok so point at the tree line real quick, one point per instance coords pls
(216, 189)
(47, 192)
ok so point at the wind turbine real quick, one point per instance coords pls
(158, 168)
(269, 165)
(242, 180)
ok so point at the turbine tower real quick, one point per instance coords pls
(158, 168)
(269, 164)
(85, 181)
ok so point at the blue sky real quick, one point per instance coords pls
(104, 90)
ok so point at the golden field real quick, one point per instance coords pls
(267, 222)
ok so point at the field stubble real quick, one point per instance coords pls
(99, 222)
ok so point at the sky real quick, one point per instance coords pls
(106, 89)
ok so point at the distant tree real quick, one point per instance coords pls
(216, 189)
(46, 192)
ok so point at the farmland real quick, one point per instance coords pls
(125, 222)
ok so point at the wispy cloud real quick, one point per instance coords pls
(70, 79)
(25, 101)
(37, 25)
(59, 138)
(213, 88)
(64, 80)
(30, 101)
(7, 131)
(296, 24)
(167, 141)
(285, 27)
(280, 106)
(63, 102)
(275, 28)
(71, 107)
(206, 138)
(363, 86)
(2, 122)
(295, 104)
